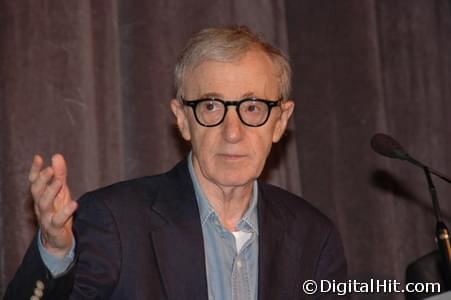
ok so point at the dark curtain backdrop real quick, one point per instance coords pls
(93, 79)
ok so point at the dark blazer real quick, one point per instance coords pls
(142, 239)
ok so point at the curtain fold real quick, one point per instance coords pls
(364, 67)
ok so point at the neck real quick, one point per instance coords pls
(229, 202)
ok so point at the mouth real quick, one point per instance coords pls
(231, 157)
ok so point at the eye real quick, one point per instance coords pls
(252, 108)
(210, 106)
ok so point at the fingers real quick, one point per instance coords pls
(50, 192)
(40, 183)
(41, 178)
(45, 204)
(36, 167)
(60, 168)
(60, 218)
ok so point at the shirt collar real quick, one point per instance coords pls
(206, 209)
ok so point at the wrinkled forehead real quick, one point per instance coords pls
(253, 74)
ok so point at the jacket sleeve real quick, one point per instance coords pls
(96, 266)
(33, 278)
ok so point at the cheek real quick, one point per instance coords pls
(197, 133)
(202, 141)
(261, 145)
(266, 136)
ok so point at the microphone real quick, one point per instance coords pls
(387, 146)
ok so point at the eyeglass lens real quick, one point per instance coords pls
(251, 112)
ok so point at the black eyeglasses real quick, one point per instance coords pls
(210, 112)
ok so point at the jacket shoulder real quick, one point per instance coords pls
(131, 189)
(139, 189)
(313, 230)
(295, 206)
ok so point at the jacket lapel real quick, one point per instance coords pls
(176, 236)
(279, 253)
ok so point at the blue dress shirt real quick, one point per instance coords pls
(231, 274)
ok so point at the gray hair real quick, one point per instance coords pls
(228, 44)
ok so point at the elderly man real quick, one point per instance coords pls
(207, 229)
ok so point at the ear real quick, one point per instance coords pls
(178, 110)
(287, 108)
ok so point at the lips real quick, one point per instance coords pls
(232, 157)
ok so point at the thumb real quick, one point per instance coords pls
(59, 167)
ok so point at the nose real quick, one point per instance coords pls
(232, 129)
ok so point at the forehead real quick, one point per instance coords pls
(253, 74)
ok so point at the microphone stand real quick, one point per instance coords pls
(429, 170)
(388, 146)
(441, 232)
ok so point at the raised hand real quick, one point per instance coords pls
(53, 204)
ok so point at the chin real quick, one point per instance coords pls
(233, 183)
(233, 178)
(229, 173)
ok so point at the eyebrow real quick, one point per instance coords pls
(211, 95)
(220, 96)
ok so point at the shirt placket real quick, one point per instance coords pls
(240, 276)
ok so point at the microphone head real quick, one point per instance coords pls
(388, 146)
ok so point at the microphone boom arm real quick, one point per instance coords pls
(430, 170)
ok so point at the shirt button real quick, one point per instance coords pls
(38, 292)
(40, 284)
(238, 264)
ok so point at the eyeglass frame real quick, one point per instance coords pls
(193, 104)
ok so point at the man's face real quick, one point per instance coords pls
(232, 154)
